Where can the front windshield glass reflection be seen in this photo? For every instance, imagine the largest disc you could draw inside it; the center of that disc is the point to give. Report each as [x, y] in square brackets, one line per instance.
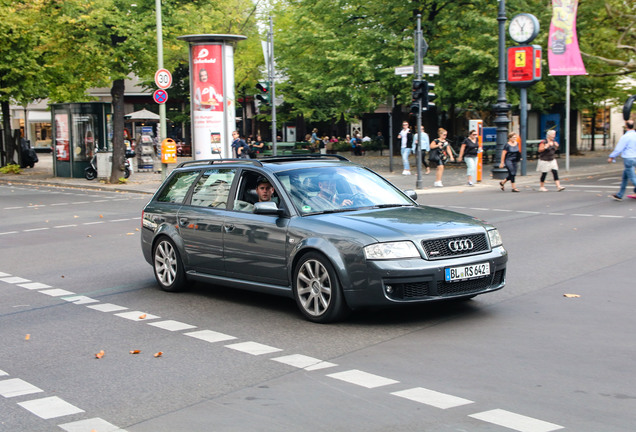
[329, 189]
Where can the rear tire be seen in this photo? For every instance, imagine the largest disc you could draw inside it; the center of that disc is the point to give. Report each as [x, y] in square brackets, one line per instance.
[167, 266]
[90, 173]
[317, 290]
[126, 172]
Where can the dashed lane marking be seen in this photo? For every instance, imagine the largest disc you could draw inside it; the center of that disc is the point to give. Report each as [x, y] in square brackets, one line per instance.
[362, 378]
[304, 362]
[172, 325]
[210, 336]
[50, 407]
[56, 292]
[137, 316]
[34, 286]
[515, 421]
[92, 424]
[253, 348]
[17, 387]
[432, 398]
[107, 307]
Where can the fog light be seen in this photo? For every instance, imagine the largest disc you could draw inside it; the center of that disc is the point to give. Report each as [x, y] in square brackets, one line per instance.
[389, 289]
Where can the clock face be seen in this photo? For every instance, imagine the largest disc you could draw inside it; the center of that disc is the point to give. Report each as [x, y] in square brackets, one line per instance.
[523, 28]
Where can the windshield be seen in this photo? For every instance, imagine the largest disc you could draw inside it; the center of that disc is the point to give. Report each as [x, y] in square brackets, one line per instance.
[345, 188]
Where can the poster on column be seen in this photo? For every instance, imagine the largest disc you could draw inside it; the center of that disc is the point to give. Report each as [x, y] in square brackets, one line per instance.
[208, 101]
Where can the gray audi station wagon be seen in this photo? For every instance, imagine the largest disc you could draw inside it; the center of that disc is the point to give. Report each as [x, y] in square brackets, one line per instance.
[331, 234]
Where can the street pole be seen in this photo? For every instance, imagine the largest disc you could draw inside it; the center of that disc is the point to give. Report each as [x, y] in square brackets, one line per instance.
[502, 107]
[418, 73]
[523, 129]
[162, 107]
[272, 85]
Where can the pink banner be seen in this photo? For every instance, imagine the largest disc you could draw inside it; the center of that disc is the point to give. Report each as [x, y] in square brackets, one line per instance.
[564, 56]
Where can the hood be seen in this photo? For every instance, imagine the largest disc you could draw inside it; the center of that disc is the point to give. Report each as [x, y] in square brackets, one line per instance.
[405, 222]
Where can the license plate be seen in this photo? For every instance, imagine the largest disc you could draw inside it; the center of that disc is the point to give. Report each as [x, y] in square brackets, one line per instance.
[467, 272]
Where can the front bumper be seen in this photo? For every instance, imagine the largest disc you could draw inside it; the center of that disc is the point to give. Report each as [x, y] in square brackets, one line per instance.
[418, 281]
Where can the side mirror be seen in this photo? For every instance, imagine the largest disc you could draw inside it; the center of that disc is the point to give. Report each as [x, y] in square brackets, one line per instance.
[268, 208]
[411, 194]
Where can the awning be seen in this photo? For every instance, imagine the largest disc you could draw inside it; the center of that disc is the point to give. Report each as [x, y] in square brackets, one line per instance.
[144, 114]
[39, 116]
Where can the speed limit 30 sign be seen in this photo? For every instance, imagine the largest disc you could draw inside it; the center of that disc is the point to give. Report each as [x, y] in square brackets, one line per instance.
[163, 78]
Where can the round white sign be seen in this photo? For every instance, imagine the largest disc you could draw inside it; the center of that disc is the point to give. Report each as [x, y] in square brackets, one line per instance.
[163, 78]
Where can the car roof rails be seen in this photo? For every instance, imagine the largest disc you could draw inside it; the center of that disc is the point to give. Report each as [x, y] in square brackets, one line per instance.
[300, 157]
[255, 162]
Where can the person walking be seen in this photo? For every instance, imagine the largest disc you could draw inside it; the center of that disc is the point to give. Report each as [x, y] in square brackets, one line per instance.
[626, 148]
[547, 162]
[406, 142]
[510, 157]
[240, 148]
[439, 155]
[469, 151]
[424, 148]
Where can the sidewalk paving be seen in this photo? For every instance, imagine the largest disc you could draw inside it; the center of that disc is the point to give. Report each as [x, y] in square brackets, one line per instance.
[454, 179]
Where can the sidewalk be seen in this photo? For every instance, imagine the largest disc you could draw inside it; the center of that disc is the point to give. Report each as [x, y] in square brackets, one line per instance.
[454, 179]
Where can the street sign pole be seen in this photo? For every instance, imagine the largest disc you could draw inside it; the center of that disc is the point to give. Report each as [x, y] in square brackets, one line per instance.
[271, 75]
[162, 107]
[418, 75]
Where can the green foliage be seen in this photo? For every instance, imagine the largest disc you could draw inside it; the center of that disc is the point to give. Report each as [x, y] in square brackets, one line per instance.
[11, 169]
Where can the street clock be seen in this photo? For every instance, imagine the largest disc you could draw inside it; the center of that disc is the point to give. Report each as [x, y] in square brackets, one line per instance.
[523, 28]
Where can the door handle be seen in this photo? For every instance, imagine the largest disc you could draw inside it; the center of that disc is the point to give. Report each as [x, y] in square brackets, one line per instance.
[228, 228]
[183, 221]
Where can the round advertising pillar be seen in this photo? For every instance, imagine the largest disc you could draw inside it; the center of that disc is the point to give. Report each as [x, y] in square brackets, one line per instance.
[212, 96]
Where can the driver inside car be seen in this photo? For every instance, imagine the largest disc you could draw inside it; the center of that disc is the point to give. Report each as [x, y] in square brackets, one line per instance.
[327, 197]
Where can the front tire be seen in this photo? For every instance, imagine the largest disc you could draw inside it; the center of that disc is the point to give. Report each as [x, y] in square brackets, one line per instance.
[167, 266]
[317, 290]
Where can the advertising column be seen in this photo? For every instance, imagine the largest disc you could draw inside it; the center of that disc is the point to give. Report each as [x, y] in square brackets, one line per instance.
[212, 99]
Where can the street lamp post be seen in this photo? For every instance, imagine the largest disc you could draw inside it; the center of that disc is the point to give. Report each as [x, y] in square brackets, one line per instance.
[502, 107]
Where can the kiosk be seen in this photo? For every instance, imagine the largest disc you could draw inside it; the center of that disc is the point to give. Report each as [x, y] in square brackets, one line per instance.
[79, 130]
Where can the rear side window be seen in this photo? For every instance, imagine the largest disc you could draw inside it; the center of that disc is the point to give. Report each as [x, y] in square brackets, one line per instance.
[213, 188]
[176, 190]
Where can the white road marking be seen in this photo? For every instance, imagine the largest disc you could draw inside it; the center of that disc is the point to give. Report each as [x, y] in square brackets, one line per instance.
[582, 214]
[363, 379]
[56, 292]
[304, 362]
[59, 204]
[253, 348]
[107, 307]
[433, 398]
[88, 425]
[137, 316]
[36, 229]
[4, 274]
[80, 300]
[210, 336]
[14, 280]
[93, 223]
[172, 325]
[65, 226]
[515, 421]
[34, 286]
[50, 407]
[17, 387]
[3, 373]
[8, 232]
[611, 216]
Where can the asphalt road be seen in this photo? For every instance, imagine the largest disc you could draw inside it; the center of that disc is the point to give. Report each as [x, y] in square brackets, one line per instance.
[526, 358]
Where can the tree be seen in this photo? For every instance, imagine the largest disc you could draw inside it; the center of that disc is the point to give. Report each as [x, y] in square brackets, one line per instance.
[21, 64]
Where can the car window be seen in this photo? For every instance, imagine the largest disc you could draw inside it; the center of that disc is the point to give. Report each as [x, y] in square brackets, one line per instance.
[177, 188]
[213, 188]
[325, 189]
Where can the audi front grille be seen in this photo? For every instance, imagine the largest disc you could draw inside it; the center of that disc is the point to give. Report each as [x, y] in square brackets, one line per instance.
[455, 246]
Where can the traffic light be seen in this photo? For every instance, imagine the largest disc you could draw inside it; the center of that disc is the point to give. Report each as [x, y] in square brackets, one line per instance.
[417, 94]
[264, 95]
[429, 95]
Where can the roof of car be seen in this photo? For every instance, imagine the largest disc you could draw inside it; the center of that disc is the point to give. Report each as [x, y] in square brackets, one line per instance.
[274, 163]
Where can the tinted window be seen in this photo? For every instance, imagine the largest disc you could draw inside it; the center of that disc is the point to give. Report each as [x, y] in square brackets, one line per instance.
[176, 190]
[213, 188]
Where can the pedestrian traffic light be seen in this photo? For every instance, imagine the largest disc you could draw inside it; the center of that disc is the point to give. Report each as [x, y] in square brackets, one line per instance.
[264, 95]
[429, 95]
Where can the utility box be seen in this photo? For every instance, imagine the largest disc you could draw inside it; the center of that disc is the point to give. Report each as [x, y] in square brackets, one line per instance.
[104, 164]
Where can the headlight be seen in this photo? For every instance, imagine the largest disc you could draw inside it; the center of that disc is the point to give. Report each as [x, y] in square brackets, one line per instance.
[495, 238]
[393, 250]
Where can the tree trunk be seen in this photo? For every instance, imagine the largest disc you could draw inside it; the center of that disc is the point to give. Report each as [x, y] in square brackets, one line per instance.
[7, 150]
[119, 148]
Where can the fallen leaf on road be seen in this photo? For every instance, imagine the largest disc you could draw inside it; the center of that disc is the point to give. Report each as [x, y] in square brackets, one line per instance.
[142, 316]
[159, 354]
[101, 216]
[99, 354]
[135, 351]
[130, 233]
[27, 337]
[571, 295]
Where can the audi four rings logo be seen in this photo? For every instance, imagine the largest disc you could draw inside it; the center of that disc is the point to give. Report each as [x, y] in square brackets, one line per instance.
[460, 245]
